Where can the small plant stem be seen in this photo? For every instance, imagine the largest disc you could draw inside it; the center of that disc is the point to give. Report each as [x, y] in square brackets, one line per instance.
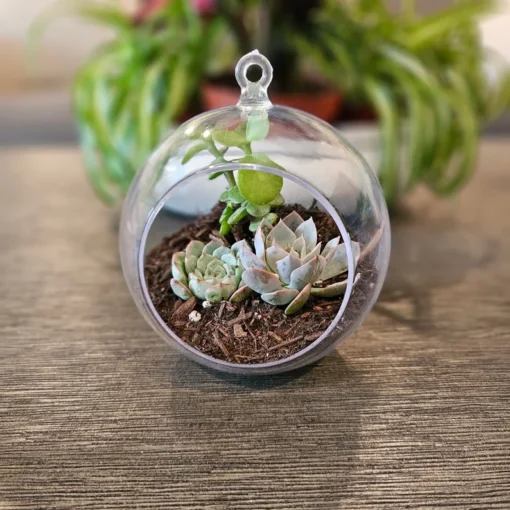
[214, 150]
[229, 175]
[247, 149]
[230, 178]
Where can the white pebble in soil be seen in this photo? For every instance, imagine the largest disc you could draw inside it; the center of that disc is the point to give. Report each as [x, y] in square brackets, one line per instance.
[194, 316]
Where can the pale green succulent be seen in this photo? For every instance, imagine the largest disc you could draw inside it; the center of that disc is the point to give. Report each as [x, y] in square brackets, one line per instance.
[211, 272]
[288, 265]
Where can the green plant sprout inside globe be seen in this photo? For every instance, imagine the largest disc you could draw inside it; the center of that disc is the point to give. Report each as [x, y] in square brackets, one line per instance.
[255, 238]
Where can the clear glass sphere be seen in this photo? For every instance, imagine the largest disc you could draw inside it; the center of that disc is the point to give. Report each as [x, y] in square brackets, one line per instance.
[319, 168]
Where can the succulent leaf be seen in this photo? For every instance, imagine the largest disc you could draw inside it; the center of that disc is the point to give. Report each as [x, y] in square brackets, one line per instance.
[316, 251]
[223, 290]
[330, 247]
[238, 245]
[280, 297]
[203, 262]
[286, 266]
[199, 287]
[178, 267]
[220, 251]
[307, 273]
[299, 246]
[211, 246]
[273, 255]
[194, 248]
[190, 263]
[337, 263]
[281, 235]
[227, 289]
[214, 293]
[259, 239]
[249, 259]
[239, 274]
[230, 279]
[309, 232]
[356, 252]
[299, 301]
[241, 294]
[293, 220]
[180, 290]
[229, 259]
[335, 289]
[261, 281]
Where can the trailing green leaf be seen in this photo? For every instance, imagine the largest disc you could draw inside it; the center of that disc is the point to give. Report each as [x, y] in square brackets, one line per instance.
[462, 168]
[257, 126]
[260, 159]
[258, 187]
[238, 215]
[278, 201]
[440, 25]
[385, 104]
[193, 151]
[258, 211]
[227, 212]
[215, 175]
[235, 195]
[225, 228]
[229, 138]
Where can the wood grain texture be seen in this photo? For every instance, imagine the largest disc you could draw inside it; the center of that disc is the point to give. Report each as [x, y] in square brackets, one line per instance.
[96, 412]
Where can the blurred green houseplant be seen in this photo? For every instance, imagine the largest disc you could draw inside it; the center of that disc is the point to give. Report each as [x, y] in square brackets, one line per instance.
[423, 76]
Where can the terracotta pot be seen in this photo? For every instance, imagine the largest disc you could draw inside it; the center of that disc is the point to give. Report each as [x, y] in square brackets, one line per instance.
[324, 104]
[356, 112]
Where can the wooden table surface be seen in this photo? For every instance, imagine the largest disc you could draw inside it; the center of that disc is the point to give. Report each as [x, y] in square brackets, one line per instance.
[97, 412]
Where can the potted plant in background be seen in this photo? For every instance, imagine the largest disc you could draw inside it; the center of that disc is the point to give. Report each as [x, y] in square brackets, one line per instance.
[423, 78]
[271, 27]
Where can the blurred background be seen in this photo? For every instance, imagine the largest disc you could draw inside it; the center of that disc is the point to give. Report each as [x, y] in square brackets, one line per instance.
[383, 72]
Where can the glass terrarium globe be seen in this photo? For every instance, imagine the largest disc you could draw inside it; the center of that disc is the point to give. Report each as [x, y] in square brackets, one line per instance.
[319, 169]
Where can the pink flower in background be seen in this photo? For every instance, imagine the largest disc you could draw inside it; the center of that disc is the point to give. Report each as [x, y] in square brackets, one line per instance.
[147, 8]
[204, 6]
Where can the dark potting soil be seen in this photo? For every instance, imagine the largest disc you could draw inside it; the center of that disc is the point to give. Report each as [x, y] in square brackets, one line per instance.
[248, 332]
